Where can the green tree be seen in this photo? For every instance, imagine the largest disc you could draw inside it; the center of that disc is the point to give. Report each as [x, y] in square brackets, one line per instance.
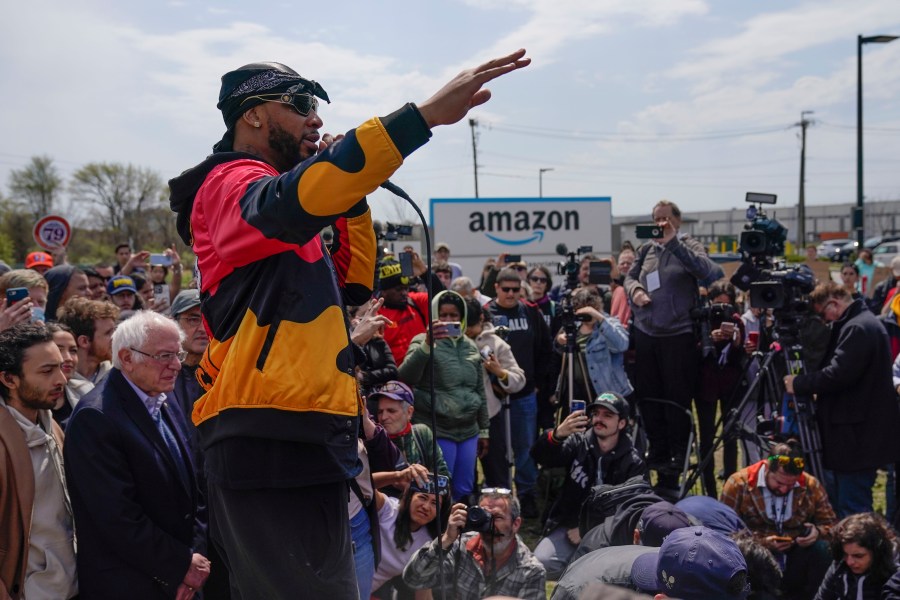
[118, 197]
[36, 186]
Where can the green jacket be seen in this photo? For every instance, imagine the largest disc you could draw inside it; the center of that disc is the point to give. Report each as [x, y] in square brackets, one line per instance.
[459, 386]
[416, 447]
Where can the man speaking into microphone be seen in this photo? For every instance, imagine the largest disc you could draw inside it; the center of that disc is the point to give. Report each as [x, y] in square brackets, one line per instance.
[278, 420]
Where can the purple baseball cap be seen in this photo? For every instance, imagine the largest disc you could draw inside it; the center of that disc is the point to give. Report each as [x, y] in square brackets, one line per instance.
[395, 390]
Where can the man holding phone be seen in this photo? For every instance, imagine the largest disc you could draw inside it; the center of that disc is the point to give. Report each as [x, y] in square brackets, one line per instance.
[788, 510]
[593, 448]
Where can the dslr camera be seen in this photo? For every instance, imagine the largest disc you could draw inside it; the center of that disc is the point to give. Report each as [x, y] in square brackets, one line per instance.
[479, 520]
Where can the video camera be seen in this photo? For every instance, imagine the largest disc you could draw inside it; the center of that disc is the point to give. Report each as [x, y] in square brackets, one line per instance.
[771, 283]
[600, 270]
[391, 231]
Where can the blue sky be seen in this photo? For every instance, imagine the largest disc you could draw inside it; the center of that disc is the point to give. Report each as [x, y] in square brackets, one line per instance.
[639, 100]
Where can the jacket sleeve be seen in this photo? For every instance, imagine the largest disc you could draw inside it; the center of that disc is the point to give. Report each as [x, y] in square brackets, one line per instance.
[534, 587]
[101, 484]
[353, 253]
[484, 419]
[412, 369]
[693, 257]
[422, 572]
[515, 376]
[633, 279]
[551, 453]
[615, 334]
[829, 589]
[265, 213]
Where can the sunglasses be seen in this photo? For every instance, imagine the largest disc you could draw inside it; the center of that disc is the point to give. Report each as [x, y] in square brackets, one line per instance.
[520, 268]
[496, 491]
[511, 290]
[797, 461]
[538, 279]
[302, 102]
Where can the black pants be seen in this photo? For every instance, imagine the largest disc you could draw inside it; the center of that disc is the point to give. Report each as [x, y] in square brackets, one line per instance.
[666, 369]
[805, 569]
[285, 543]
[494, 464]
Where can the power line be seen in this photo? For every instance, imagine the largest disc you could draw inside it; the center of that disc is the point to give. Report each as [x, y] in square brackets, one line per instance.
[639, 138]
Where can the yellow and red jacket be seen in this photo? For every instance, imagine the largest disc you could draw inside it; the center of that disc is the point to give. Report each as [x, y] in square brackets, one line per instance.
[279, 366]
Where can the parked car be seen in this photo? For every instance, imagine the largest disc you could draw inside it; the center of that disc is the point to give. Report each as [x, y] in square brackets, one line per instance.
[846, 251]
[828, 249]
[878, 239]
[885, 252]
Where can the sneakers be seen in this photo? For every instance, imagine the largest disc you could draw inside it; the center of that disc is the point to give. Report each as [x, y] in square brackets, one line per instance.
[529, 506]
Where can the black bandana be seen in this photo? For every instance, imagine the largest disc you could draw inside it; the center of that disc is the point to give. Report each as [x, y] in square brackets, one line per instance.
[250, 80]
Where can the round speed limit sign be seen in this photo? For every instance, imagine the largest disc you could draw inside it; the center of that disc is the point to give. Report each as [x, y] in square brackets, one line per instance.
[52, 231]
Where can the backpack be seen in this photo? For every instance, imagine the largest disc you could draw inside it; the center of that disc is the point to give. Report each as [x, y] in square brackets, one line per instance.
[603, 501]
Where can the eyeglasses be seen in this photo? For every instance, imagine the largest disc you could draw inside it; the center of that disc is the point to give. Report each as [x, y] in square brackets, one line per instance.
[825, 306]
[797, 461]
[302, 102]
[496, 491]
[163, 357]
[538, 279]
[511, 290]
[192, 321]
[521, 268]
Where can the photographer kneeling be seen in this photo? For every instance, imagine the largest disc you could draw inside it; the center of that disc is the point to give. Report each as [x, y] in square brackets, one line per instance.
[481, 553]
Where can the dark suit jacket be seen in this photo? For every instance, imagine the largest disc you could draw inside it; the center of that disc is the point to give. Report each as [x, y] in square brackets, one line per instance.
[137, 522]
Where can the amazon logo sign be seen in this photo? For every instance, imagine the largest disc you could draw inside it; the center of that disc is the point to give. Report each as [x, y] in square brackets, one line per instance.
[507, 227]
[530, 226]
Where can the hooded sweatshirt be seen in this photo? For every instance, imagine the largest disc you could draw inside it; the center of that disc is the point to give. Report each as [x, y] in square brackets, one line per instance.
[461, 405]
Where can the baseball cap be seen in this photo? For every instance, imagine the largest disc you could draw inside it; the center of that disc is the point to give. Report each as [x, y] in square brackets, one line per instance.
[658, 521]
[693, 563]
[612, 401]
[185, 300]
[119, 284]
[895, 266]
[38, 259]
[395, 390]
[390, 275]
[442, 246]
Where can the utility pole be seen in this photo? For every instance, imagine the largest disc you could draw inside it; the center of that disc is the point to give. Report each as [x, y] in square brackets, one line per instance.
[801, 204]
[541, 172]
[473, 123]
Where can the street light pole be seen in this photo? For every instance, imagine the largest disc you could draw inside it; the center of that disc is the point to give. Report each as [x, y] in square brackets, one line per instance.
[859, 219]
[541, 172]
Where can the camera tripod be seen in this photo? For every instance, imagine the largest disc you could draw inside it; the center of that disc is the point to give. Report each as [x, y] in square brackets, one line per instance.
[771, 389]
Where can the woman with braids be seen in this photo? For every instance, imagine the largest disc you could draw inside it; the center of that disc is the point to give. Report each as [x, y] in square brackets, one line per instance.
[865, 553]
[407, 524]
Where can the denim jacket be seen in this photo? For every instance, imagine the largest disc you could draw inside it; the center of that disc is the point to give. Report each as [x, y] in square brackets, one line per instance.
[604, 355]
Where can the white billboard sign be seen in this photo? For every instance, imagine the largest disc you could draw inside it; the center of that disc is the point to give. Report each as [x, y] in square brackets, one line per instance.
[477, 228]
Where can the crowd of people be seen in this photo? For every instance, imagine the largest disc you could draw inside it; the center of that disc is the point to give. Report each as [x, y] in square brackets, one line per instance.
[306, 420]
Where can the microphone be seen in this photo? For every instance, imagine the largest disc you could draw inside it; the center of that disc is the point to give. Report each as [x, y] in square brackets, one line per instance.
[395, 189]
[562, 249]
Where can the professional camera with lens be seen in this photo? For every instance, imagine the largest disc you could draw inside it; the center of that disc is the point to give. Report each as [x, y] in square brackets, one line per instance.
[572, 264]
[770, 282]
[763, 237]
[479, 520]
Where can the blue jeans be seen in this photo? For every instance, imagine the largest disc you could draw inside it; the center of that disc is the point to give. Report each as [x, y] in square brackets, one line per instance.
[363, 553]
[850, 492]
[523, 428]
[460, 459]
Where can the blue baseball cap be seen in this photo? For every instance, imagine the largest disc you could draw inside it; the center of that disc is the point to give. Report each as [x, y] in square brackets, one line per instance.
[120, 283]
[693, 563]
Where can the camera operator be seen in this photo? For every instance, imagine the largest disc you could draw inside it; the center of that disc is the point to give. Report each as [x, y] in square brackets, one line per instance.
[857, 404]
[489, 561]
[662, 286]
[720, 373]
